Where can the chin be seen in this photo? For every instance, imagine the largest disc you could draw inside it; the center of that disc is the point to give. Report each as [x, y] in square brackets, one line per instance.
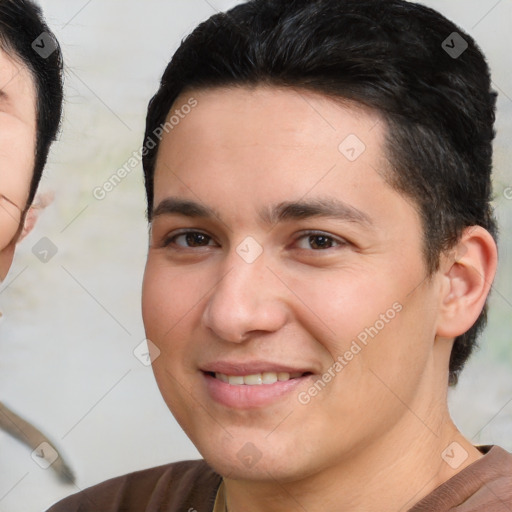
[261, 471]
[251, 457]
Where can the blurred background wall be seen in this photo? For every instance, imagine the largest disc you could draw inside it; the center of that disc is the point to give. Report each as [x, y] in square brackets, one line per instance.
[71, 323]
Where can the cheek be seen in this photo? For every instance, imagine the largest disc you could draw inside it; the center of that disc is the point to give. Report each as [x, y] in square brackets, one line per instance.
[17, 150]
[160, 304]
[372, 319]
[339, 306]
[170, 302]
[168, 299]
[6, 257]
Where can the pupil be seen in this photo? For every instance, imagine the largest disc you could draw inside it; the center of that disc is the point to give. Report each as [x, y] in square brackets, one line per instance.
[194, 239]
[320, 242]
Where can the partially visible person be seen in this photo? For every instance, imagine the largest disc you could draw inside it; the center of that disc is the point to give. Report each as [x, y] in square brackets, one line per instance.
[31, 97]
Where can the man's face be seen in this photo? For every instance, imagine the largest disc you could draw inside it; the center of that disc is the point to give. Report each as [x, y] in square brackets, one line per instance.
[17, 150]
[278, 250]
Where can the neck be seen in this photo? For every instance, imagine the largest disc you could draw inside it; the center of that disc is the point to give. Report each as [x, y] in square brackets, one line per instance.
[389, 475]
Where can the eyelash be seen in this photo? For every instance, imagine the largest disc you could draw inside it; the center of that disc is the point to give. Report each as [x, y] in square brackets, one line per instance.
[339, 242]
[171, 240]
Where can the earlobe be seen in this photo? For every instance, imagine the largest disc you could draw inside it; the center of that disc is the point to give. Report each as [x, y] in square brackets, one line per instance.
[469, 271]
[40, 203]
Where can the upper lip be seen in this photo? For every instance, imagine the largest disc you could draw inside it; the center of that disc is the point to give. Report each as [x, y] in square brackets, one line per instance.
[250, 368]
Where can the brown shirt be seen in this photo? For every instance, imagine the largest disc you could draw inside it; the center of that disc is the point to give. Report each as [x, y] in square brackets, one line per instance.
[191, 486]
[485, 486]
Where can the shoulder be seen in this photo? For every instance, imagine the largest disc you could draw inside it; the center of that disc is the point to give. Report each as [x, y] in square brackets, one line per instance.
[183, 486]
[484, 485]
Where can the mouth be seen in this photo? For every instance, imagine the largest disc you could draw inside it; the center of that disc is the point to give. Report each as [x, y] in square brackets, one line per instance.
[247, 388]
[257, 379]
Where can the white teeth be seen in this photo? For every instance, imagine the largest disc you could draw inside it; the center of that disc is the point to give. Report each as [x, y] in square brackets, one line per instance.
[253, 380]
[269, 377]
[235, 380]
[257, 379]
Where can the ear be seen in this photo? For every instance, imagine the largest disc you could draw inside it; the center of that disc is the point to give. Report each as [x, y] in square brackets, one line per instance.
[40, 203]
[29, 221]
[468, 272]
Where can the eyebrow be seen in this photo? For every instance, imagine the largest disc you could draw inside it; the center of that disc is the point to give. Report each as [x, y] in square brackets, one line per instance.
[281, 212]
[176, 206]
[328, 207]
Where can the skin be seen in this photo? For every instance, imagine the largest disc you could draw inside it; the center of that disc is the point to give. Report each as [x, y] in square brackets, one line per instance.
[17, 151]
[372, 438]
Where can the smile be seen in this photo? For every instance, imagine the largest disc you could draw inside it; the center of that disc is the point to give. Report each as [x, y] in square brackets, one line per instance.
[254, 389]
[257, 379]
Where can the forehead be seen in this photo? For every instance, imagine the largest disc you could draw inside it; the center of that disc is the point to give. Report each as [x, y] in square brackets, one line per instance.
[17, 89]
[284, 113]
[269, 133]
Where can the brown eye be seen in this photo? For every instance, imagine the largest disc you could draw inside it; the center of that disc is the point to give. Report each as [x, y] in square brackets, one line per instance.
[319, 241]
[190, 239]
[197, 239]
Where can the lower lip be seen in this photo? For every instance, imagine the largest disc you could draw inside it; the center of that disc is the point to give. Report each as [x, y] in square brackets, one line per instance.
[248, 397]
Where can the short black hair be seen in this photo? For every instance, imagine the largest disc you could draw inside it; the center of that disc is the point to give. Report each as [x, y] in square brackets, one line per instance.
[426, 77]
[21, 23]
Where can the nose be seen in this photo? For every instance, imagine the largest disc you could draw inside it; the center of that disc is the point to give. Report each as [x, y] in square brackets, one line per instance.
[247, 302]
